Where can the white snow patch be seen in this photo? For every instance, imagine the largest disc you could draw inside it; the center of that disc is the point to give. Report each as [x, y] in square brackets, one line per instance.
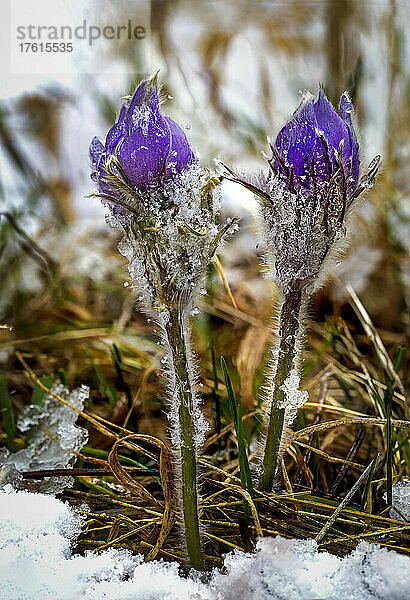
[36, 563]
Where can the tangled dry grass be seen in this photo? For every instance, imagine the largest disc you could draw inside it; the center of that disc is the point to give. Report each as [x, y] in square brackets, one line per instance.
[80, 328]
[124, 474]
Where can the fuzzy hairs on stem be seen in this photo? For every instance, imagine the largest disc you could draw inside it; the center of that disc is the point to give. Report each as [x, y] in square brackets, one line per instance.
[305, 201]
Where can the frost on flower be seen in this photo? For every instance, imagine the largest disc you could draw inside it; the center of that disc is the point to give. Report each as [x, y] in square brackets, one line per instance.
[309, 191]
[168, 208]
[170, 247]
[305, 199]
[53, 437]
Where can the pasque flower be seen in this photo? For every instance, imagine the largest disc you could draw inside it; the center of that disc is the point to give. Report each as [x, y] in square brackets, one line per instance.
[168, 209]
[305, 200]
[317, 142]
[150, 147]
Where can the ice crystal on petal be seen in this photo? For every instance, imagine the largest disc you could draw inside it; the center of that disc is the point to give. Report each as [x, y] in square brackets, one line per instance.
[53, 439]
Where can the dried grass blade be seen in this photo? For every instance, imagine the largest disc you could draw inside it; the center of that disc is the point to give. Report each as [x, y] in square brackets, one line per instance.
[165, 468]
[344, 502]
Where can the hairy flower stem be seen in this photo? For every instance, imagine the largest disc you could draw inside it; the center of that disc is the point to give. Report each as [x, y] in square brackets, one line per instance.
[289, 332]
[177, 331]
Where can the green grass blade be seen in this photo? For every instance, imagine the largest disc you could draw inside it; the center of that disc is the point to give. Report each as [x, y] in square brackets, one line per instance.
[368, 483]
[398, 359]
[215, 396]
[63, 377]
[7, 414]
[38, 395]
[389, 442]
[235, 406]
[118, 364]
[388, 403]
[106, 388]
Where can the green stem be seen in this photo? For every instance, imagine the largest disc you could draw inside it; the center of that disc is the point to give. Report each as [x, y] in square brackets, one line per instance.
[177, 332]
[289, 330]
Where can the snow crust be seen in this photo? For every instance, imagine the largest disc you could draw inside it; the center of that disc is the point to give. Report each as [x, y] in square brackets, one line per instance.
[37, 563]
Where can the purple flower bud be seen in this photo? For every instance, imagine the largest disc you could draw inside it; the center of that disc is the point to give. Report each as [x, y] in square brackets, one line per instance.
[306, 196]
[317, 143]
[150, 148]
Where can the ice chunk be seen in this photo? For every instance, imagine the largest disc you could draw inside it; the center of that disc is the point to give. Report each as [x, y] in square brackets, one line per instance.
[10, 476]
[294, 397]
[55, 437]
[371, 572]
[401, 499]
[280, 569]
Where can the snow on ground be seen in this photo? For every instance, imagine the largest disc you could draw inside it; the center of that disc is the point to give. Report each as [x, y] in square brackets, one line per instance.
[36, 563]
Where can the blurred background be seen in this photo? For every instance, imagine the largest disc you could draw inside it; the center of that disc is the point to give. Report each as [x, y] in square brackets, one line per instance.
[233, 71]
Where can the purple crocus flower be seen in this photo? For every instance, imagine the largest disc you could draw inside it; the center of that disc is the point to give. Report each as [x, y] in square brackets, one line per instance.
[317, 143]
[150, 148]
[307, 194]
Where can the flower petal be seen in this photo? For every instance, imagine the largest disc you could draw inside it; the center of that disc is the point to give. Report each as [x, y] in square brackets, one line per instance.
[145, 99]
[143, 152]
[116, 132]
[180, 154]
[149, 146]
[346, 110]
[96, 150]
[334, 129]
[295, 142]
